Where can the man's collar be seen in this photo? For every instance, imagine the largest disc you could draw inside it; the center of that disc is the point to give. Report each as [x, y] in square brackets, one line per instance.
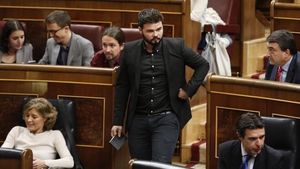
[69, 43]
[244, 153]
[286, 66]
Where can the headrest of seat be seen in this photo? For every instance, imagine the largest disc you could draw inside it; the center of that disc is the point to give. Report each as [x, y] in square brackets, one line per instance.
[131, 34]
[91, 32]
[281, 133]
[2, 23]
[66, 113]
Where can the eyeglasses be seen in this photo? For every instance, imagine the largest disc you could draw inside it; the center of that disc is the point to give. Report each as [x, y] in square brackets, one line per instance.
[53, 32]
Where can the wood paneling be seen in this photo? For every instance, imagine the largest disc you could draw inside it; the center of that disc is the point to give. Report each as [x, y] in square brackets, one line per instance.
[252, 27]
[286, 16]
[229, 97]
[92, 89]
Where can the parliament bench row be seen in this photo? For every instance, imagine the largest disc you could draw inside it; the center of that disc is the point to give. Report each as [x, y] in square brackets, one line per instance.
[91, 32]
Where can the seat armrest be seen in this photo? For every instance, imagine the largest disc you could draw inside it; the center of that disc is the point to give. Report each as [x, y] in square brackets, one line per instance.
[142, 164]
[14, 158]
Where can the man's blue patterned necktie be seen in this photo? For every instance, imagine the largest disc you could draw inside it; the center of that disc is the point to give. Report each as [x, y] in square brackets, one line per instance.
[246, 159]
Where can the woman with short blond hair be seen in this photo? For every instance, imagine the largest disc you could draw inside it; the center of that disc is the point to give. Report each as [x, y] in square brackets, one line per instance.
[40, 116]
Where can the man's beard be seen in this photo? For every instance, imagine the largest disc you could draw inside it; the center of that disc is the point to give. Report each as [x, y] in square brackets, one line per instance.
[109, 57]
[153, 42]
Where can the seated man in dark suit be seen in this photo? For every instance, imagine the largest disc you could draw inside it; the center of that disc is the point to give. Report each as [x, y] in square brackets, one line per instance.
[64, 47]
[249, 152]
[284, 64]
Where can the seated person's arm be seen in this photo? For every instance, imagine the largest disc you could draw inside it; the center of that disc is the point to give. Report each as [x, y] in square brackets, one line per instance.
[87, 54]
[10, 138]
[45, 59]
[66, 159]
[28, 53]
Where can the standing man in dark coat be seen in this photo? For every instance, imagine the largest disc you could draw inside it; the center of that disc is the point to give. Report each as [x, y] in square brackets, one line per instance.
[152, 91]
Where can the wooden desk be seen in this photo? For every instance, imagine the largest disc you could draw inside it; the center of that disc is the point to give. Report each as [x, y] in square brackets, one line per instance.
[91, 88]
[229, 97]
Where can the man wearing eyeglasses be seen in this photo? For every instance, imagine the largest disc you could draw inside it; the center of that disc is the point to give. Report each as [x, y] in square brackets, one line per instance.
[64, 47]
[284, 59]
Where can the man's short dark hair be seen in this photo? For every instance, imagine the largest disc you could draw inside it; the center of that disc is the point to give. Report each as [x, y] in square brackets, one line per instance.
[149, 15]
[61, 18]
[285, 40]
[248, 121]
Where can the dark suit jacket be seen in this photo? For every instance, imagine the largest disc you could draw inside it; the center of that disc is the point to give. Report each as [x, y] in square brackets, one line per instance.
[293, 74]
[230, 157]
[176, 57]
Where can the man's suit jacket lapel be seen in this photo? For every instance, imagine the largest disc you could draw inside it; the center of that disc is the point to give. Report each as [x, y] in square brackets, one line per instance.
[274, 72]
[260, 160]
[236, 157]
[74, 49]
[136, 55]
[166, 57]
[55, 53]
[291, 71]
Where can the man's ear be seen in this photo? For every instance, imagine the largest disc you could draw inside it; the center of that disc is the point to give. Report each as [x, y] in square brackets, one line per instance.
[122, 46]
[140, 29]
[67, 27]
[288, 51]
[238, 135]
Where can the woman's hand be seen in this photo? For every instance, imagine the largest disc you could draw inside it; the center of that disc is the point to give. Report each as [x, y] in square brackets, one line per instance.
[39, 164]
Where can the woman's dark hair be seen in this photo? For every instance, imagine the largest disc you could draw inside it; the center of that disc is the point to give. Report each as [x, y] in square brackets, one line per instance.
[116, 33]
[10, 27]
